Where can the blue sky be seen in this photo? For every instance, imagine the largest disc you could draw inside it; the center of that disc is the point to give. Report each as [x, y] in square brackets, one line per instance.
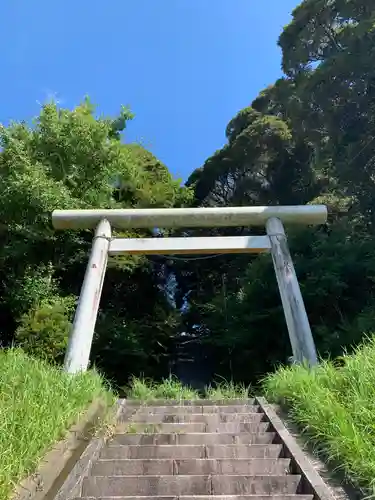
[185, 67]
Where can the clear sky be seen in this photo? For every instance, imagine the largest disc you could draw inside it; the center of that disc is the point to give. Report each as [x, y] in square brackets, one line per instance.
[185, 67]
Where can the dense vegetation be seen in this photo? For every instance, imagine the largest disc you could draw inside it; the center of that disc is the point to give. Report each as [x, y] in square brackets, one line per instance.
[71, 159]
[38, 404]
[307, 138]
[333, 407]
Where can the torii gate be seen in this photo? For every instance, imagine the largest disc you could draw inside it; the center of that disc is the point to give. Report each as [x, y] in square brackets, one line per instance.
[275, 242]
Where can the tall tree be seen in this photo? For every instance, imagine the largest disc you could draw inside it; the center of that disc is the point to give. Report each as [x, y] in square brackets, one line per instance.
[307, 138]
[328, 50]
[71, 159]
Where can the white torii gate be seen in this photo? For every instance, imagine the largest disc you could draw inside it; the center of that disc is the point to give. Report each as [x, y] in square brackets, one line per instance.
[275, 242]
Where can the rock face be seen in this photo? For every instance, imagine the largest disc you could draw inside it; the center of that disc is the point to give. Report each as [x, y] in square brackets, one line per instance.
[191, 449]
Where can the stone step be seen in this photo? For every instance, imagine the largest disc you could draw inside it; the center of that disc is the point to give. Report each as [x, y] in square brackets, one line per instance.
[203, 497]
[252, 436]
[183, 428]
[193, 466]
[207, 418]
[191, 402]
[191, 451]
[162, 428]
[192, 438]
[200, 438]
[186, 410]
[97, 486]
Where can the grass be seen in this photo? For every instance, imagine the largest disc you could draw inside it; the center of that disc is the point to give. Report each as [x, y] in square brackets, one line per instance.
[227, 390]
[38, 404]
[335, 408]
[172, 388]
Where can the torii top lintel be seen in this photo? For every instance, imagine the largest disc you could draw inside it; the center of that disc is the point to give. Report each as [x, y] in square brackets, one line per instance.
[189, 217]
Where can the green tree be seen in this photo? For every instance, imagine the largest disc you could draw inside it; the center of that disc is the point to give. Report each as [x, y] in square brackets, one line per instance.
[328, 49]
[309, 138]
[72, 159]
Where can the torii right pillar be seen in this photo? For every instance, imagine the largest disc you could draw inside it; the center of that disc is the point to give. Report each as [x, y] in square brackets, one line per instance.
[300, 335]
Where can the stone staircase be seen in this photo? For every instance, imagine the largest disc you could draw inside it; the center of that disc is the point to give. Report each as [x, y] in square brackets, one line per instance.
[190, 450]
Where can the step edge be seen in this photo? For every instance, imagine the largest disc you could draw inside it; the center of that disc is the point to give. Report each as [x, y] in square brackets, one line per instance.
[234, 445]
[213, 414]
[294, 480]
[311, 480]
[288, 496]
[263, 459]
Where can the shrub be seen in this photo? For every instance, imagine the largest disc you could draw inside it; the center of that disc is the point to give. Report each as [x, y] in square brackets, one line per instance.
[43, 332]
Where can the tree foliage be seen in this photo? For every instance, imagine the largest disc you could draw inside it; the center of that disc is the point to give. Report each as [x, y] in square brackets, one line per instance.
[309, 138]
[72, 159]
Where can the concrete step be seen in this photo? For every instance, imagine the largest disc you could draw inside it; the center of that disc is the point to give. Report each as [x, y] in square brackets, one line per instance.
[186, 410]
[244, 451]
[200, 438]
[191, 451]
[233, 428]
[152, 429]
[162, 428]
[97, 486]
[184, 428]
[191, 402]
[192, 438]
[207, 418]
[193, 466]
[203, 497]
[146, 438]
[252, 436]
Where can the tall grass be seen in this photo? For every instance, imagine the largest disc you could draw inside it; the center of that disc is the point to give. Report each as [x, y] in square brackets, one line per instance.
[335, 407]
[171, 388]
[38, 403]
[227, 390]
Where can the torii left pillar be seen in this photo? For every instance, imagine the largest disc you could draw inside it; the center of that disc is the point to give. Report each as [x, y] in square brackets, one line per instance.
[79, 347]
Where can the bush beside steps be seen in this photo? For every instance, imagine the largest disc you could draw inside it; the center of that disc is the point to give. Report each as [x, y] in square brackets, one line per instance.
[334, 407]
[38, 405]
